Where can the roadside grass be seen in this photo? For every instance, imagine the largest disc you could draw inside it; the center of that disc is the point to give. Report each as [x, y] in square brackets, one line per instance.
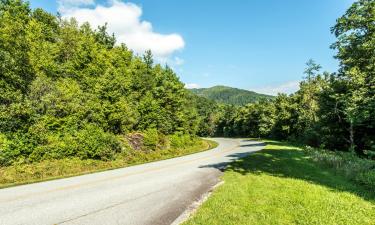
[56, 169]
[282, 185]
[358, 169]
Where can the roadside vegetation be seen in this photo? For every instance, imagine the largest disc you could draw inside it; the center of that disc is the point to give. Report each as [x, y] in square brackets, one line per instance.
[359, 170]
[23, 173]
[284, 184]
[72, 100]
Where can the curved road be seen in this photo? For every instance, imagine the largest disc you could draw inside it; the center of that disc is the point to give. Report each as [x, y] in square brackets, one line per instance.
[153, 193]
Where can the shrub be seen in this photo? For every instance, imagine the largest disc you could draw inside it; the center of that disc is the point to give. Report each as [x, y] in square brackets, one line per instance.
[350, 165]
[90, 142]
[370, 153]
[93, 143]
[15, 147]
[367, 178]
[150, 139]
[179, 140]
[3, 146]
[164, 142]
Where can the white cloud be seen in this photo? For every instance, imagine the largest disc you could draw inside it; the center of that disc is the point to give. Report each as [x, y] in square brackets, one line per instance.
[287, 88]
[124, 20]
[192, 85]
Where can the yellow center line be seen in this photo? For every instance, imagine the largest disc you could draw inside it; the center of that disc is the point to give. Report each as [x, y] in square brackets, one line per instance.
[119, 176]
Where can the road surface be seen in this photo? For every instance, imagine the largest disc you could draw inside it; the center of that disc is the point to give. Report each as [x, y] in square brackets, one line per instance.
[153, 193]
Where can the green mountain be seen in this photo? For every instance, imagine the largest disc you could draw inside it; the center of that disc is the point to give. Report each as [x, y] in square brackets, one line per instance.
[229, 95]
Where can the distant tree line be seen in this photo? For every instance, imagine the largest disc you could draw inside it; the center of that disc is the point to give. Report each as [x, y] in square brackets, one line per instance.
[330, 110]
[229, 95]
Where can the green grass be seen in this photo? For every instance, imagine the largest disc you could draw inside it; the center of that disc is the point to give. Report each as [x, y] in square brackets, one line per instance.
[348, 164]
[55, 169]
[282, 185]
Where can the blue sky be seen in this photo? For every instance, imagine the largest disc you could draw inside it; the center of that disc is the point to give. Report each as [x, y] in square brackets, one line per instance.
[259, 45]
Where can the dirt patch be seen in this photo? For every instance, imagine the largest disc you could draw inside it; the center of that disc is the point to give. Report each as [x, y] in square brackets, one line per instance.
[135, 140]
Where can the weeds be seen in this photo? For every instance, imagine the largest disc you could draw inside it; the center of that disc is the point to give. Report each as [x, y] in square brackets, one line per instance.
[350, 165]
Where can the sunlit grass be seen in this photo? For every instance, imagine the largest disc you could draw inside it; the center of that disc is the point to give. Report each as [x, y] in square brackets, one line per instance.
[281, 185]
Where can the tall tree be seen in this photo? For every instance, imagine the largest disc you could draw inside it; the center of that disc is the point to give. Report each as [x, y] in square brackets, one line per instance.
[355, 32]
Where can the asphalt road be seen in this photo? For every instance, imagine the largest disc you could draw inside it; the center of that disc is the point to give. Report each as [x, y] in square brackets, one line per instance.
[153, 193]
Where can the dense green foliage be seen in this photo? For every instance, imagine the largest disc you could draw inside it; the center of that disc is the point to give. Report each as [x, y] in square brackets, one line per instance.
[283, 185]
[359, 170]
[330, 110]
[68, 91]
[229, 95]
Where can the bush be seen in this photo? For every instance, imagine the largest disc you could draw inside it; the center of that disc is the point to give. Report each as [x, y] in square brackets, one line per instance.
[3, 146]
[164, 142]
[179, 140]
[90, 142]
[370, 154]
[15, 148]
[94, 143]
[367, 178]
[350, 165]
[150, 139]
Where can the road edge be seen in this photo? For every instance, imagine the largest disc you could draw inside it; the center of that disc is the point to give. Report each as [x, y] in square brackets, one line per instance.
[211, 144]
[191, 209]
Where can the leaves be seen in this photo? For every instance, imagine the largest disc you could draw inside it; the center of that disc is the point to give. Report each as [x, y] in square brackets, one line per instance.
[66, 90]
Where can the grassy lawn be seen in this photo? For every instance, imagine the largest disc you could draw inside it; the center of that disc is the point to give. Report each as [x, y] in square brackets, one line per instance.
[281, 185]
[55, 169]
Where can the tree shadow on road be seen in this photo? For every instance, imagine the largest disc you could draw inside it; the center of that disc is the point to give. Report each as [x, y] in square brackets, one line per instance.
[252, 145]
[235, 156]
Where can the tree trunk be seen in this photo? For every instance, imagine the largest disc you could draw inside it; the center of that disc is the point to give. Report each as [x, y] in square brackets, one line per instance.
[351, 137]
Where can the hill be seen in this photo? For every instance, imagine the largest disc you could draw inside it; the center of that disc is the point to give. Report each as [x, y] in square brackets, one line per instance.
[229, 95]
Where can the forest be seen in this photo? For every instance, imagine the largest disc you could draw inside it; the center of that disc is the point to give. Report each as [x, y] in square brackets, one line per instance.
[70, 90]
[229, 95]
